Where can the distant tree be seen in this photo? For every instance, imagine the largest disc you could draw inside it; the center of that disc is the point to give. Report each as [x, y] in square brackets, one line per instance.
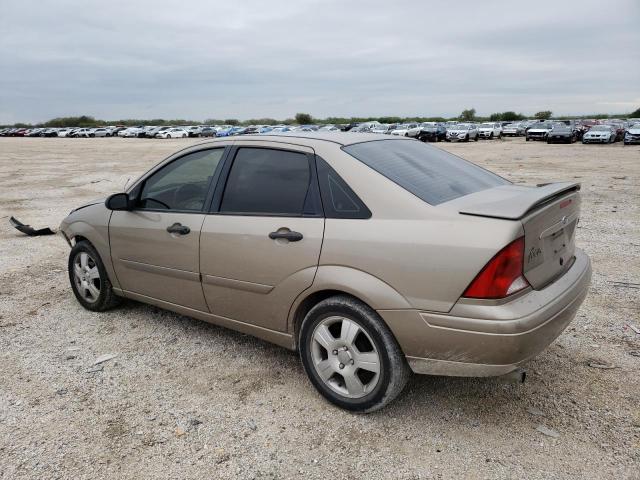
[231, 121]
[303, 118]
[635, 114]
[495, 117]
[81, 121]
[510, 116]
[543, 115]
[468, 115]
[289, 121]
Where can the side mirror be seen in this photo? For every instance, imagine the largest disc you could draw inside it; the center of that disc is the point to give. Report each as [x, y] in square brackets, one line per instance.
[119, 201]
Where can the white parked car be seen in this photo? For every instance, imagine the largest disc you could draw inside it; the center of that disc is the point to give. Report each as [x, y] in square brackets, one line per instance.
[129, 132]
[100, 132]
[83, 132]
[173, 133]
[382, 128]
[632, 135]
[490, 130]
[193, 131]
[600, 134]
[402, 130]
[462, 132]
[538, 131]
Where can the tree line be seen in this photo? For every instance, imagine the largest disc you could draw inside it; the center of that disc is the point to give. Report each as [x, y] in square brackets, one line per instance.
[468, 115]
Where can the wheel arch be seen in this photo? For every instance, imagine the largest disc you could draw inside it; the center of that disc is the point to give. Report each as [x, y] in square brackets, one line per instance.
[332, 280]
[98, 237]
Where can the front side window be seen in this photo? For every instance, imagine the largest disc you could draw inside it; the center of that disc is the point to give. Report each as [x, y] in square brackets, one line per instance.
[183, 184]
[431, 174]
[265, 181]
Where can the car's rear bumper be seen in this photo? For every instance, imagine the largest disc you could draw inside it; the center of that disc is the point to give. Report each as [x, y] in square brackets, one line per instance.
[490, 338]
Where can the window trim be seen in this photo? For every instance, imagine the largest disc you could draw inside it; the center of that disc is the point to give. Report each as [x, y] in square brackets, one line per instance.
[137, 189]
[313, 188]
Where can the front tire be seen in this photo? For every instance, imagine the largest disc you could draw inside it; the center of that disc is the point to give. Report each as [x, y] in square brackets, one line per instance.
[89, 280]
[351, 356]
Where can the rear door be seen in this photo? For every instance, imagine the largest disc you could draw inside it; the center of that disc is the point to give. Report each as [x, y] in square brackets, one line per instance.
[155, 247]
[261, 244]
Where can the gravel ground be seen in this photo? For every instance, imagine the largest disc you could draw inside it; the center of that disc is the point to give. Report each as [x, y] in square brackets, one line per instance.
[184, 399]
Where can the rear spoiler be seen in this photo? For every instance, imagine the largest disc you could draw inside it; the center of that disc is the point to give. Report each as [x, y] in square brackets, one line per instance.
[512, 202]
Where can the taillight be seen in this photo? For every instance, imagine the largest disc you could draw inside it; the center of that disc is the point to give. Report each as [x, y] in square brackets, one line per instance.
[502, 276]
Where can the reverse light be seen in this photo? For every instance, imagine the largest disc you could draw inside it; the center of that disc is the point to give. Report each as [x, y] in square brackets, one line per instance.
[502, 276]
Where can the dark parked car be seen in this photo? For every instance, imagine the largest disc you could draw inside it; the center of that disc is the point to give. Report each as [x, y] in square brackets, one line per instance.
[208, 132]
[432, 133]
[562, 133]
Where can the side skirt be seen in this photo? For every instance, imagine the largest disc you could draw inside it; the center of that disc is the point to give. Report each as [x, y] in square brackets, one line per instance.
[279, 338]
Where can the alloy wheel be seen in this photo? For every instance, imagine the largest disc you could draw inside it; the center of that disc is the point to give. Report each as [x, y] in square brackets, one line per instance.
[86, 277]
[345, 357]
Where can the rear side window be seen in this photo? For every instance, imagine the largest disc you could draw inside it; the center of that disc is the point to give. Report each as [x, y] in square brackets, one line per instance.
[431, 174]
[267, 182]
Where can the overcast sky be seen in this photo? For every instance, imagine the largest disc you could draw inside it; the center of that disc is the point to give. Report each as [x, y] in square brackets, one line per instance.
[242, 59]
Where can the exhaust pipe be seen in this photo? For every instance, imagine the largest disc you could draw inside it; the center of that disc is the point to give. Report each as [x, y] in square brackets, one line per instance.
[519, 375]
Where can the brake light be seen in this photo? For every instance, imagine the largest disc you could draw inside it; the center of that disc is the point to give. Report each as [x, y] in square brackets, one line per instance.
[502, 276]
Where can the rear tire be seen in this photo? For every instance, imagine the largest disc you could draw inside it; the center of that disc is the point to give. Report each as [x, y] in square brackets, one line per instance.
[89, 280]
[361, 371]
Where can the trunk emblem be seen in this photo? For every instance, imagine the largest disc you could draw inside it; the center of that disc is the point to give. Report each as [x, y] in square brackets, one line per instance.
[564, 220]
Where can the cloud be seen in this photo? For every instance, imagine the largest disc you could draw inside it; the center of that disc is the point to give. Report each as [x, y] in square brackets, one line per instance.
[143, 59]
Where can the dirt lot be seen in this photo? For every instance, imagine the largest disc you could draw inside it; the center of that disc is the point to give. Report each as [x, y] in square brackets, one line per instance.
[184, 399]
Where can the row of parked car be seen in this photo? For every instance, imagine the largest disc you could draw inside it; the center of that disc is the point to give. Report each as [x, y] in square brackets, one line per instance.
[566, 131]
[151, 131]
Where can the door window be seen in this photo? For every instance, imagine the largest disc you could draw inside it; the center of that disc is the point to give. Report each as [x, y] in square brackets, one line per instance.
[265, 181]
[183, 184]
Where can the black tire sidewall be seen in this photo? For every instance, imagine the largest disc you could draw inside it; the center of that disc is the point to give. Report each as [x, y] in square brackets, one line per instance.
[371, 325]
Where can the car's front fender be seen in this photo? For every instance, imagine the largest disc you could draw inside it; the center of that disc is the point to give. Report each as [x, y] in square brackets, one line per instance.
[92, 223]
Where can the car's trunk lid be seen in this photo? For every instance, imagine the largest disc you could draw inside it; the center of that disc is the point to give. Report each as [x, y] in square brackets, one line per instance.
[549, 215]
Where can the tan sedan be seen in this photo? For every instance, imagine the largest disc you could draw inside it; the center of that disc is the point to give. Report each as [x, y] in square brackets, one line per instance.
[373, 256]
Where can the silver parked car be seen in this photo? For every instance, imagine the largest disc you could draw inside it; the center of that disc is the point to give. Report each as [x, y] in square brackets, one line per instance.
[513, 130]
[373, 256]
[462, 132]
[600, 134]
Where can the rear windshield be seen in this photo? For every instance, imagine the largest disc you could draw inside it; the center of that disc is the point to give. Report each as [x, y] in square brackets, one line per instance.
[431, 174]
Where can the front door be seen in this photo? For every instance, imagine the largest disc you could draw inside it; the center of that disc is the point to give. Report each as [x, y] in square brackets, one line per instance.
[260, 247]
[155, 248]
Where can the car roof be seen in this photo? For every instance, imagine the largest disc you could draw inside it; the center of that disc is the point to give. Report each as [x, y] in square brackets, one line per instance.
[311, 138]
